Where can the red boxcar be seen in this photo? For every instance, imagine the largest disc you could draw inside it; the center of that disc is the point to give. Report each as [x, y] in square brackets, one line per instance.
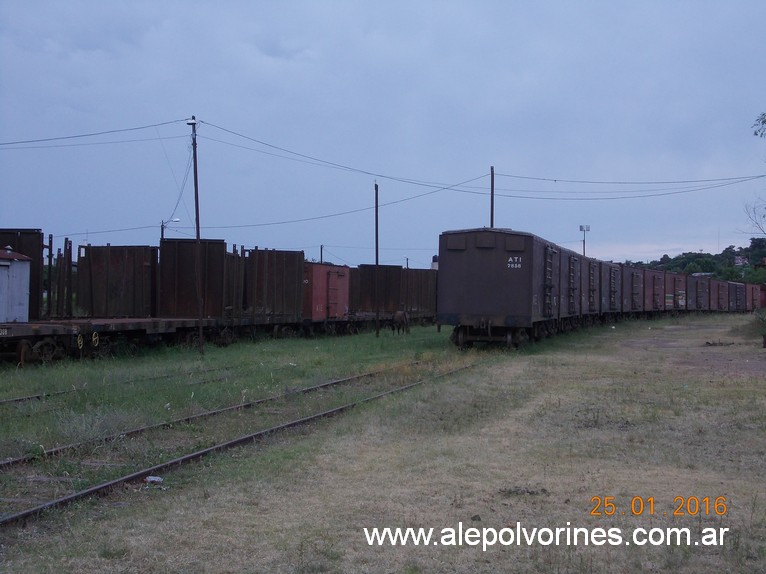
[325, 292]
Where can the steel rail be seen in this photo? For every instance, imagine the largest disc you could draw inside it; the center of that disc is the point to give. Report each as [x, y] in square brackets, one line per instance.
[253, 437]
[45, 395]
[10, 462]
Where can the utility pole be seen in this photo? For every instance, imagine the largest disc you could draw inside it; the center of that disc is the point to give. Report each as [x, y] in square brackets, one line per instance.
[492, 196]
[200, 306]
[377, 262]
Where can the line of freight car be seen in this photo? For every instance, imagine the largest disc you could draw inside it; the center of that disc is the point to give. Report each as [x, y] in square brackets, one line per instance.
[147, 293]
[509, 286]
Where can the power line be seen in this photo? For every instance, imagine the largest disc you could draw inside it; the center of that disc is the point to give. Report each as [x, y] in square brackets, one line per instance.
[643, 195]
[90, 144]
[746, 178]
[340, 213]
[87, 135]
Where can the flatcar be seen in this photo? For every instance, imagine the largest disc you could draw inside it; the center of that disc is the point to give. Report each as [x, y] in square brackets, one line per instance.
[108, 296]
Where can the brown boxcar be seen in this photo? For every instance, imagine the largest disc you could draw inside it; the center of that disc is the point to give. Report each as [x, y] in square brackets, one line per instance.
[610, 288]
[675, 291]
[590, 280]
[737, 296]
[499, 278]
[719, 295]
[273, 293]
[419, 290]
[759, 294]
[654, 290]
[632, 289]
[178, 288]
[697, 293]
[325, 292]
[752, 296]
[362, 298]
[116, 281]
[570, 283]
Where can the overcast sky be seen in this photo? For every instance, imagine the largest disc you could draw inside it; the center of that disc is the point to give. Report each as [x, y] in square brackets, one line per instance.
[304, 105]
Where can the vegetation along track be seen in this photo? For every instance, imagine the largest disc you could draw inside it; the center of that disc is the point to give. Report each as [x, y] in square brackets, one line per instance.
[34, 484]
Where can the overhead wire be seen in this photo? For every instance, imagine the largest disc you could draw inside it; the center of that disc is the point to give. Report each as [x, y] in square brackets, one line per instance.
[91, 134]
[285, 153]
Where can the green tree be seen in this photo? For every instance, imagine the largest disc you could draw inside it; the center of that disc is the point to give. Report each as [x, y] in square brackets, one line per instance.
[756, 211]
[760, 126]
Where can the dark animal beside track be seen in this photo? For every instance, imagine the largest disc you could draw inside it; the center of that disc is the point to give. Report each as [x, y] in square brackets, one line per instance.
[401, 322]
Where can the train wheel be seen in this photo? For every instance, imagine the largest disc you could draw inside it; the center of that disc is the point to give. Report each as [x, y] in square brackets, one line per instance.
[509, 341]
[47, 349]
[287, 332]
[24, 353]
[102, 347]
[462, 338]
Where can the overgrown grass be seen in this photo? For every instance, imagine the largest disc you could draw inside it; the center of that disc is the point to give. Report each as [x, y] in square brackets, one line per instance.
[107, 396]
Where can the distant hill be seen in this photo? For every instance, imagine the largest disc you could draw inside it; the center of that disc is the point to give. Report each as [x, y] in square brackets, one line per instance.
[746, 264]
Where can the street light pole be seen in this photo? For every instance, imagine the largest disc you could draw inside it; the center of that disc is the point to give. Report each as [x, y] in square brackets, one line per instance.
[584, 229]
[164, 223]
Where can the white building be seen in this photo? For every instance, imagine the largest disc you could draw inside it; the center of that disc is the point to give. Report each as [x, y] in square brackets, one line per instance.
[14, 286]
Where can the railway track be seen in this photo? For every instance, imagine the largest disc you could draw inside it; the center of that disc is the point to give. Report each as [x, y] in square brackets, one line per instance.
[9, 462]
[39, 483]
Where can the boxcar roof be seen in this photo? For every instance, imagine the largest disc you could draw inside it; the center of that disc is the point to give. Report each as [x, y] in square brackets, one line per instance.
[502, 230]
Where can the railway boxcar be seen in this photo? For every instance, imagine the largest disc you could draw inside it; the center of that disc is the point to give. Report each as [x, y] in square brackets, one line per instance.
[752, 297]
[570, 284]
[116, 281]
[500, 285]
[737, 296]
[179, 290]
[273, 292]
[419, 294]
[325, 295]
[367, 285]
[675, 291]
[719, 295]
[610, 288]
[697, 293]
[632, 290]
[590, 282]
[654, 290]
